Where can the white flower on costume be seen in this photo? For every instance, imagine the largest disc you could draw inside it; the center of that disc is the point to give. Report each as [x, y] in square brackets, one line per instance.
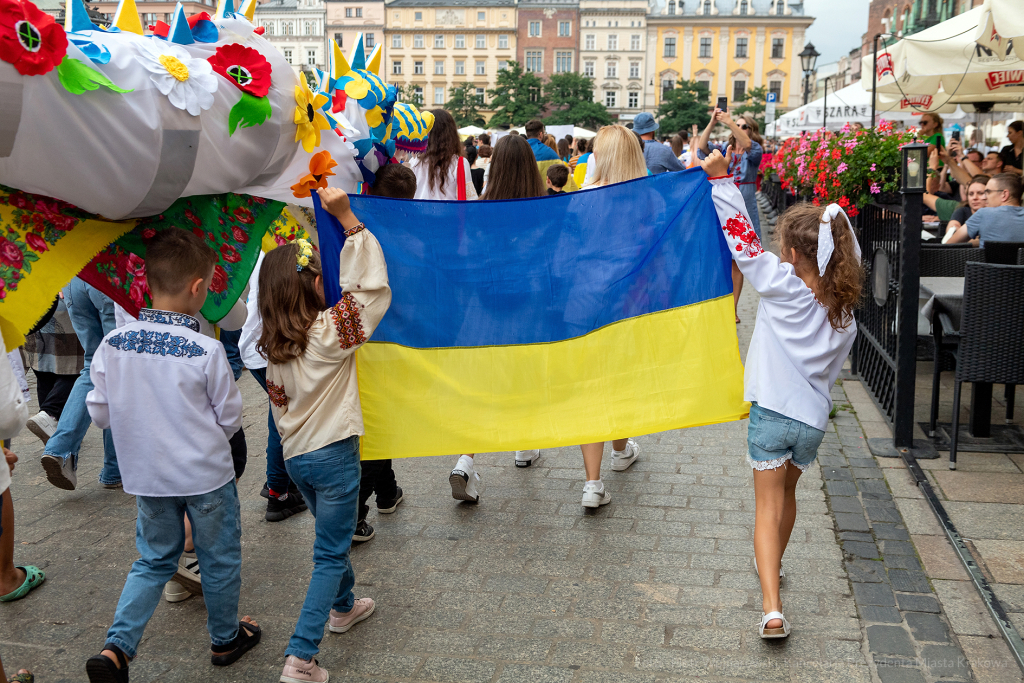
[187, 82]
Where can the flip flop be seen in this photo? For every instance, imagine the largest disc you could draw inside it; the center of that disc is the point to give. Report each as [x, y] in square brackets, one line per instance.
[34, 578]
[22, 678]
[248, 637]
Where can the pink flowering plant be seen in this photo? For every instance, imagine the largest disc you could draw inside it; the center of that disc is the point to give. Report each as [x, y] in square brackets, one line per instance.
[850, 167]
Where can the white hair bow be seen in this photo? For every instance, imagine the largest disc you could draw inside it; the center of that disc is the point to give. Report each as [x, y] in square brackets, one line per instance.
[825, 243]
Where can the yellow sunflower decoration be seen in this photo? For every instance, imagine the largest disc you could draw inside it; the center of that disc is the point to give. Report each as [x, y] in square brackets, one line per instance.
[308, 119]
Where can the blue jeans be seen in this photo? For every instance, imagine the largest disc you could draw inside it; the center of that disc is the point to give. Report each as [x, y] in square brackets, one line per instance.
[277, 475]
[328, 479]
[230, 338]
[160, 539]
[749, 193]
[92, 316]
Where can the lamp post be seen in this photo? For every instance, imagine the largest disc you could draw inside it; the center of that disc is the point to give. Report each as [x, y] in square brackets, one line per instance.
[874, 72]
[824, 109]
[808, 59]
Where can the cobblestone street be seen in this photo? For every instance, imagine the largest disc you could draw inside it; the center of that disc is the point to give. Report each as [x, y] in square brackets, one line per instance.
[527, 586]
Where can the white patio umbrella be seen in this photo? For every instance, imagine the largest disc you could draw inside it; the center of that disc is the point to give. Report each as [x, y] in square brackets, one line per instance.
[578, 132]
[471, 130]
[1002, 28]
[946, 62]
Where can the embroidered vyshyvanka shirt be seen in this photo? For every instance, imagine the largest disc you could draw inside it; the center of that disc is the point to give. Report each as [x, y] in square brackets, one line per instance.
[315, 397]
[167, 393]
[795, 354]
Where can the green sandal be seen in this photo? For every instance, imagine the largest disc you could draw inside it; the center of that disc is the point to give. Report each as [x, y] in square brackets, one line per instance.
[22, 678]
[34, 578]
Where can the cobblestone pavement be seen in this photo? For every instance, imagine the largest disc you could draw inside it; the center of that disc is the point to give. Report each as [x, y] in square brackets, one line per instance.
[527, 586]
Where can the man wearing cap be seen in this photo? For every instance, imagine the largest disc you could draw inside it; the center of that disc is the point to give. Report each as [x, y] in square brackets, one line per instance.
[659, 158]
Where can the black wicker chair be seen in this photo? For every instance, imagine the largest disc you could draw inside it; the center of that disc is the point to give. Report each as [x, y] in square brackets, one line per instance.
[1002, 252]
[948, 260]
[1020, 257]
[991, 335]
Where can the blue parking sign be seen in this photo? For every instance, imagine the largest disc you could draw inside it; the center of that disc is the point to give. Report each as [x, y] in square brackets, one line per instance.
[771, 97]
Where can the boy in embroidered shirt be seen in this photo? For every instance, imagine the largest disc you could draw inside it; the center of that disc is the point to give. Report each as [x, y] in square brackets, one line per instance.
[156, 380]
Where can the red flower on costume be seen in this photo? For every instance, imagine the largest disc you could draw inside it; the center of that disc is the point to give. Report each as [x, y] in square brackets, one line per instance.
[247, 69]
[29, 38]
[240, 235]
[148, 234]
[198, 233]
[36, 243]
[739, 228]
[194, 218]
[138, 290]
[244, 215]
[220, 280]
[229, 253]
[10, 254]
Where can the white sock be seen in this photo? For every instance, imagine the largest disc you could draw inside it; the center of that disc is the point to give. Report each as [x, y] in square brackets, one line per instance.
[596, 482]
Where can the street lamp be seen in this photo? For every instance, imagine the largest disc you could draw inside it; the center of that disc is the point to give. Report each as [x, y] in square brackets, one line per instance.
[874, 72]
[808, 59]
[914, 167]
[824, 115]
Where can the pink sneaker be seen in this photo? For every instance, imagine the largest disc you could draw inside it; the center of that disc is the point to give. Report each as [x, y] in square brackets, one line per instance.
[300, 671]
[341, 622]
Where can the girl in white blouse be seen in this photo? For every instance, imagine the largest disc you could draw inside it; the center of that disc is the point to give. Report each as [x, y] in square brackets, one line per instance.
[314, 392]
[803, 334]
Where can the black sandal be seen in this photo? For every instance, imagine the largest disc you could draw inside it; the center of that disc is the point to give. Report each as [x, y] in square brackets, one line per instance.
[101, 669]
[248, 637]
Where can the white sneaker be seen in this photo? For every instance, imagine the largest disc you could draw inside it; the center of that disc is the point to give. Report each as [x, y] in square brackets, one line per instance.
[527, 458]
[466, 484]
[188, 573]
[175, 592]
[595, 495]
[42, 425]
[60, 471]
[621, 460]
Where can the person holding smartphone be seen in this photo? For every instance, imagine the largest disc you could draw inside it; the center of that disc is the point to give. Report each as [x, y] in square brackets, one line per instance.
[745, 142]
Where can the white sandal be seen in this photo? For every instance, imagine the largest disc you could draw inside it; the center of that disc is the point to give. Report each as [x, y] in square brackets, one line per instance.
[782, 572]
[768, 633]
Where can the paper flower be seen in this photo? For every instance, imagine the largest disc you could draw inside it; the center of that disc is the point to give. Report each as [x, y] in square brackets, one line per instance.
[320, 166]
[188, 83]
[30, 39]
[246, 68]
[309, 121]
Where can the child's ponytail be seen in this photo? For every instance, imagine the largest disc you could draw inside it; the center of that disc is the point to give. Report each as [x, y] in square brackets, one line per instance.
[839, 288]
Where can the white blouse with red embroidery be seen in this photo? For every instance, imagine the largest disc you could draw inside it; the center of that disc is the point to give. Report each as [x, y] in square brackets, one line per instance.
[795, 355]
[315, 397]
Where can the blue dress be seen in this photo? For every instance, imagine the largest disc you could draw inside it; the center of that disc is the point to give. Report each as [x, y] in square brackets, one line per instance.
[744, 172]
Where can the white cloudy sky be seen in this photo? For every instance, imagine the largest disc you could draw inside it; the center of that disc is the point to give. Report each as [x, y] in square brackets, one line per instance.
[838, 26]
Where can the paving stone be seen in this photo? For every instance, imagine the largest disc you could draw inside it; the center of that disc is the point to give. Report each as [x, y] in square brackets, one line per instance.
[847, 521]
[899, 674]
[873, 594]
[946, 661]
[897, 547]
[890, 532]
[909, 581]
[903, 562]
[845, 504]
[910, 602]
[856, 536]
[837, 473]
[516, 673]
[868, 551]
[927, 627]
[884, 615]
[866, 571]
[841, 488]
[890, 640]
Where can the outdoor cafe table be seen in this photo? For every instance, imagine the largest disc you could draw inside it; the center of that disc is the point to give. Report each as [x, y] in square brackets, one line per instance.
[946, 294]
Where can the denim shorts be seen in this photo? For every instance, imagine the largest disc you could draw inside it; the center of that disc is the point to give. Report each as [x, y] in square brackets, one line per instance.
[773, 438]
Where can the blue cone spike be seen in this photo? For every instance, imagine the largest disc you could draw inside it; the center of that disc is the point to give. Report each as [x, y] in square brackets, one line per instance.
[180, 32]
[76, 18]
[358, 60]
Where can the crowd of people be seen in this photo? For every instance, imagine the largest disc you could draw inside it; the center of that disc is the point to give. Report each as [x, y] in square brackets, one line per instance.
[167, 369]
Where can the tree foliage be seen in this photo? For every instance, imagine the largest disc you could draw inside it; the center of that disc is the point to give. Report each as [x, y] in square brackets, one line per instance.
[753, 103]
[685, 105]
[517, 98]
[572, 97]
[408, 94]
[464, 105]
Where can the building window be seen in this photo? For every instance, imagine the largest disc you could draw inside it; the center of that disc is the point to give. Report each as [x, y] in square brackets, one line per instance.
[269, 29]
[502, 65]
[741, 48]
[481, 42]
[359, 11]
[611, 69]
[778, 48]
[479, 95]
[348, 12]
[534, 61]
[460, 67]
[634, 69]
[744, 6]
[310, 28]
[439, 41]
[634, 41]
[460, 42]
[439, 67]
[481, 16]
[337, 39]
[417, 95]
[311, 57]
[706, 85]
[706, 8]
[418, 16]
[564, 29]
[780, 7]
[739, 91]
[369, 41]
[417, 68]
[481, 69]
[588, 69]
[503, 41]
[286, 28]
[396, 68]
[288, 56]
[590, 42]
[613, 42]
[666, 85]
[634, 100]
[705, 48]
[609, 98]
[396, 40]
[438, 95]
[417, 40]
[776, 87]
[670, 47]
[671, 6]
[398, 16]
[563, 62]
[534, 29]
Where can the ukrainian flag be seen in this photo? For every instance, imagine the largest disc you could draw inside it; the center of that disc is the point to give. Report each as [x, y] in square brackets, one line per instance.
[547, 322]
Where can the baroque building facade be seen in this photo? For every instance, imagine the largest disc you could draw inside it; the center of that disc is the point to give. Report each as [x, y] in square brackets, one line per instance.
[297, 29]
[613, 51]
[548, 36]
[346, 20]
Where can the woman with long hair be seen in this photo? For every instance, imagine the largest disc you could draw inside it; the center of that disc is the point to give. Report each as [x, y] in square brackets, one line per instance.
[617, 157]
[437, 169]
[564, 152]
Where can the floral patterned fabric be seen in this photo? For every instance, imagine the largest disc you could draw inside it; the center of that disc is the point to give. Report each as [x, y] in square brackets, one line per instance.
[346, 322]
[233, 225]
